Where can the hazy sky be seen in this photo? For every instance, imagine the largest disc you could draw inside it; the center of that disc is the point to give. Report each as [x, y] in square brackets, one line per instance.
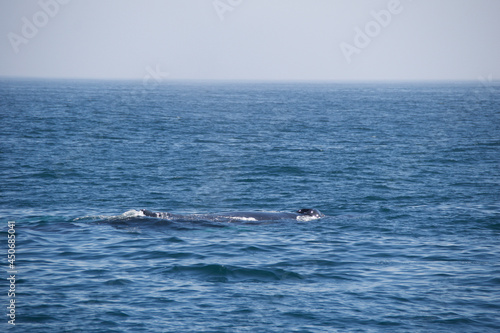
[251, 39]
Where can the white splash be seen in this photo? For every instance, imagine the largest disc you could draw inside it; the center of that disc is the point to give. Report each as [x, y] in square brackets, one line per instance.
[126, 215]
[240, 218]
[132, 213]
[306, 218]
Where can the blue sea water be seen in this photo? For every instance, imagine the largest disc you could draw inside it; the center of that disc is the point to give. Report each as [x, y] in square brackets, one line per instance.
[408, 175]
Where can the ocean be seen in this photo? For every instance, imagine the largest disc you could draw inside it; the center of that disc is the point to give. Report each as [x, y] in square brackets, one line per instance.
[407, 174]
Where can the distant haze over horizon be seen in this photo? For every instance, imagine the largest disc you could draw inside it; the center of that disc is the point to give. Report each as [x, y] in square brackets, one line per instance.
[256, 40]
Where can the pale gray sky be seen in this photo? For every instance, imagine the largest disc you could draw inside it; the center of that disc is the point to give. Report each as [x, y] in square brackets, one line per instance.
[251, 39]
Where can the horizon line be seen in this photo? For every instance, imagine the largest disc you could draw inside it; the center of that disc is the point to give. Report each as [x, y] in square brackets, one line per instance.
[241, 80]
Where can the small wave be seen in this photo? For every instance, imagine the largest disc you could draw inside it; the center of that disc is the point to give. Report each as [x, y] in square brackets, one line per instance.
[227, 273]
[117, 282]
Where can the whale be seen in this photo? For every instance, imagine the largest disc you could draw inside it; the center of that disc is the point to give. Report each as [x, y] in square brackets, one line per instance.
[304, 214]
